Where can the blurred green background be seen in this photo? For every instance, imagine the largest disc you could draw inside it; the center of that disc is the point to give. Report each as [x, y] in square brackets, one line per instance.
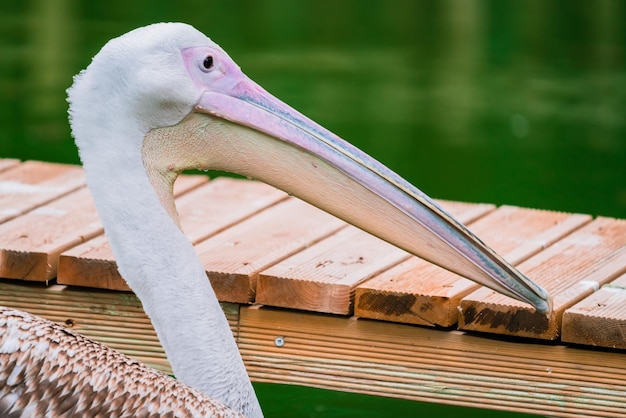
[510, 102]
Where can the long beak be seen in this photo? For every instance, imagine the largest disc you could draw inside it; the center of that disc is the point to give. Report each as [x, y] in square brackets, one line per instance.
[304, 159]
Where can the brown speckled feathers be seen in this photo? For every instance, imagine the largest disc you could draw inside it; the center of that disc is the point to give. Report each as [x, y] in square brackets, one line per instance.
[48, 371]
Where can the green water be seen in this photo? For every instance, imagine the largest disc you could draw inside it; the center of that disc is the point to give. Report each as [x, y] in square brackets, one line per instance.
[293, 401]
[510, 102]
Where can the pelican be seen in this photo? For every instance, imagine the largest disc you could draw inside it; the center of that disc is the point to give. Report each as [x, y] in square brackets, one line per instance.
[163, 99]
[49, 371]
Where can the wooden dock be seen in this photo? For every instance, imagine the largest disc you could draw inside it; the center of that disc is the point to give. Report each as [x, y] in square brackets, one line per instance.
[314, 301]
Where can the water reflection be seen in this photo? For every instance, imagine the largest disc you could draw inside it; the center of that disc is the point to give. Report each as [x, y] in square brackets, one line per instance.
[506, 102]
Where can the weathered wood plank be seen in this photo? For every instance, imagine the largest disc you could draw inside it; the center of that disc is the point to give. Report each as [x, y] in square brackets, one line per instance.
[222, 203]
[570, 270]
[33, 183]
[203, 212]
[417, 292]
[600, 319]
[90, 264]
[425, 364]
[30, 245]
[234, 258]
[323, 277]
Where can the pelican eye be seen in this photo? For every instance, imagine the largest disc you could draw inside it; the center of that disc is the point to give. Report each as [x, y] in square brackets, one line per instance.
[207, 64]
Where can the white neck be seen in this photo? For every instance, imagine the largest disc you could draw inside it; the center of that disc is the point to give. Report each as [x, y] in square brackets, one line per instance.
[161, 266]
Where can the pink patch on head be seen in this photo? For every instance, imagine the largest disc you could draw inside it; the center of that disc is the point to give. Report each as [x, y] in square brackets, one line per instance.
[211, 69]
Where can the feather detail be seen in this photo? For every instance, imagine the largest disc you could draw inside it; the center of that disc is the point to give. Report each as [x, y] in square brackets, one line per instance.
[49, 371]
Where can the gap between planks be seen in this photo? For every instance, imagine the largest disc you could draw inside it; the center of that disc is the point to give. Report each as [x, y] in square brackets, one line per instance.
[571, 269]
[26, 186]
[600, 319]
[323, 277]
[421, 293]
[30, 245]
[204, 211]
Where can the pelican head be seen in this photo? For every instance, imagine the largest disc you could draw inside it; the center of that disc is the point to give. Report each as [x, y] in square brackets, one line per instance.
[187, 105]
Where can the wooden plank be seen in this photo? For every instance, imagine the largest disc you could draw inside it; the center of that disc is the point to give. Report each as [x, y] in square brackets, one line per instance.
[33, 183]
[570, 270]
[426, 364]
[417, 292]
[188, 182]
[223, 203]
[600, 319]
[235, 257]
[203, 212]
[30, 245]
[90, 264]
[6, 163]
[116, 319]
[323, 277]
